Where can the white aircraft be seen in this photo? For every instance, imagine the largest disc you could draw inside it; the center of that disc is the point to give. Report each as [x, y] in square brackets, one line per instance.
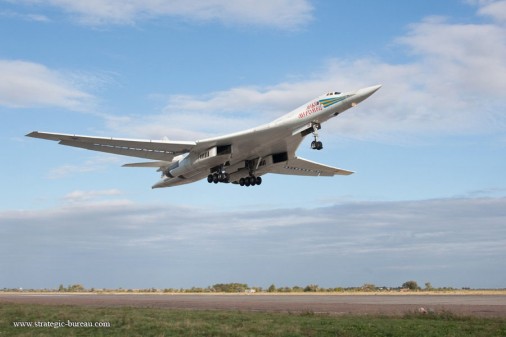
[240, 158]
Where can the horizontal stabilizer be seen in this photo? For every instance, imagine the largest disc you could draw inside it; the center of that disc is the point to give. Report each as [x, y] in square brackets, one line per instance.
[304, 167]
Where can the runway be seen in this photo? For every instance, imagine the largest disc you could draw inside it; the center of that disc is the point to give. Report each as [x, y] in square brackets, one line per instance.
[391, 305]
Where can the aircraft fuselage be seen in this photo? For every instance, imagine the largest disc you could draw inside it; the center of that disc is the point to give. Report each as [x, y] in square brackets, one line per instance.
[282, 136]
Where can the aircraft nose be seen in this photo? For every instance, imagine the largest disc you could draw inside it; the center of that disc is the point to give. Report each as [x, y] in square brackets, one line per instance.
[366, 92]
[363, 93]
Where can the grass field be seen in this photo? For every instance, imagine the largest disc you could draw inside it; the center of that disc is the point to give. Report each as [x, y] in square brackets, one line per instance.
[128, 321]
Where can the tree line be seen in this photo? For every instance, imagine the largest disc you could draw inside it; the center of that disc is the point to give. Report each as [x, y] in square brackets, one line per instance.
[245, 288]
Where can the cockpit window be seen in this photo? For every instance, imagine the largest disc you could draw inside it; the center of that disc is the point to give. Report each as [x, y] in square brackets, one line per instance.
[333, 93]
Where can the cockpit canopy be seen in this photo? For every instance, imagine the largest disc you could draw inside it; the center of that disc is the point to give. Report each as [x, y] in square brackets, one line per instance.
[333, 93]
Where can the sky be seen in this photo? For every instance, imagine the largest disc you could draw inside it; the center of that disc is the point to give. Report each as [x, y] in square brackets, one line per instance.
[427, 201]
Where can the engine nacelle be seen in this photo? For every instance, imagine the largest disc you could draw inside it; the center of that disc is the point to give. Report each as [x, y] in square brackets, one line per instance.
[180, 168]
[190, 164]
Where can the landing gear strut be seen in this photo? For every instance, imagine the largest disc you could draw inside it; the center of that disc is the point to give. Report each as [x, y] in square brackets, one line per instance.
[252, 180]
[316, 144]
[219, 177]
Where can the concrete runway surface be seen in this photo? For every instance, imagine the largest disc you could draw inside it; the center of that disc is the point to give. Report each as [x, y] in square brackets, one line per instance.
[470, 305]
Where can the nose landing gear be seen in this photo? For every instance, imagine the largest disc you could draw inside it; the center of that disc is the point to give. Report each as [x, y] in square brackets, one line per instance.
[316, 144]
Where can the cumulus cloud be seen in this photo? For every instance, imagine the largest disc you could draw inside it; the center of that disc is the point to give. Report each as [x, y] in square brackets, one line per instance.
[456, 242]
[97, 163]
[27, 84]
[86, 196]
[26, 17]
[283, 14]
[192, 117]
[466, 57]
[494, 9]
[451, 83]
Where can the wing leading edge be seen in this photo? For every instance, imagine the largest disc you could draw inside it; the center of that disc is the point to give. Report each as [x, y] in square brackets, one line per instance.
[149, 149]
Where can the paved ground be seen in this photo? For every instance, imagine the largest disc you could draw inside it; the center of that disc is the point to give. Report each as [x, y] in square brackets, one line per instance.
[476, 305]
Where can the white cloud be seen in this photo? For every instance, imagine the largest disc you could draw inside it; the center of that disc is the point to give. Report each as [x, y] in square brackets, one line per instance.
[190, 117]
[27, 17]
[463, 57]
[27, 84]
[348, 243]
[97, 163]
[284, 14]
[494, 9]
[87, 196]
[452, 83]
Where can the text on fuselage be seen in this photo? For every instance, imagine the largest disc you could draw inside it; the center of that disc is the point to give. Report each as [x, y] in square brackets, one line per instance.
[311, 109]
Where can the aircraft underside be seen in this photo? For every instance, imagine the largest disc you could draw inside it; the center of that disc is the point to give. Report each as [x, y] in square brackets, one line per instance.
[246, 172]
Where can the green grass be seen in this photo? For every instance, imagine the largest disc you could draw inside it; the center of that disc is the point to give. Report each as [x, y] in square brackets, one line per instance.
[128, 321]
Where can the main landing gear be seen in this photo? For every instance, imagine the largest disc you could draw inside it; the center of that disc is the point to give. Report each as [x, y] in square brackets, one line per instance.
[220, 176]
[250, 181]
[316, 144]
[216, 177]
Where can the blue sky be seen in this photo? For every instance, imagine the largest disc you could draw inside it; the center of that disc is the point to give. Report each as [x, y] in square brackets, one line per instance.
[427, 201]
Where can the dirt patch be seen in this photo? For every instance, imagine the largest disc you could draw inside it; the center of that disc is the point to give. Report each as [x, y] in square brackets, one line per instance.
[390, 305]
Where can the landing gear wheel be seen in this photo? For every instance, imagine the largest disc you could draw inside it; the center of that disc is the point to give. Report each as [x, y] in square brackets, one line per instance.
[210, 178]
[316, 145]
[250, 181]
[216, 178]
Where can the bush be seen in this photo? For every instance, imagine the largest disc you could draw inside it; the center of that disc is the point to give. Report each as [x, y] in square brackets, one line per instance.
[411, 285]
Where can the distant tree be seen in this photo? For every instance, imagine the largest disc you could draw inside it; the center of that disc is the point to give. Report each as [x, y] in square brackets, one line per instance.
[76, 288]
[61, 288]
[312, 288]
[271, 289]
[196, 290]
[230, 287]
[368, 287]
[428, 286]
[411, 285]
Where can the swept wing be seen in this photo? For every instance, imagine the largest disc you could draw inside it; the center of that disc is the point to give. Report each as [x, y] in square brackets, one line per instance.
[157, 150]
